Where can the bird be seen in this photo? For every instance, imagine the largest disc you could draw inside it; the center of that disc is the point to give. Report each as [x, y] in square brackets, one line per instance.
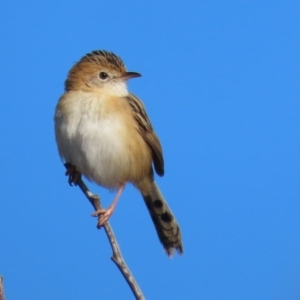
[103, 132]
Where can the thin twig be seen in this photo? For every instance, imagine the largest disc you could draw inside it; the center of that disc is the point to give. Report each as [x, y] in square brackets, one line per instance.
[117, 257]
[2, 296]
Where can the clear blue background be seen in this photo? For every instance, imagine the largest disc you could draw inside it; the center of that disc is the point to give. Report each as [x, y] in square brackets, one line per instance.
[221, 86]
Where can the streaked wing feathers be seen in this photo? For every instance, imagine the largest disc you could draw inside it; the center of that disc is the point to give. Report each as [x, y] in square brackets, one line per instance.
[146, 131]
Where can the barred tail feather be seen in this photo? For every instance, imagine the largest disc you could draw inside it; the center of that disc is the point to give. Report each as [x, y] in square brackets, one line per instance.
[164, 221]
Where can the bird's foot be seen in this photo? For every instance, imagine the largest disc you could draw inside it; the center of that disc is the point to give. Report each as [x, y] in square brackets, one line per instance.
[103, 215]
[74, 175]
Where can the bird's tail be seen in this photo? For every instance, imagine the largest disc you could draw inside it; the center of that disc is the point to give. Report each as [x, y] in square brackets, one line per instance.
[164, 221]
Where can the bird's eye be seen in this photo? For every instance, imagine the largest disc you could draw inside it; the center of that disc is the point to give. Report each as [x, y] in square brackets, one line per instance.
[103, 75]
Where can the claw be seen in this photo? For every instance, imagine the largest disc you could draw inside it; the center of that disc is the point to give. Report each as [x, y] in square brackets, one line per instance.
[74, 175]
[103, 215]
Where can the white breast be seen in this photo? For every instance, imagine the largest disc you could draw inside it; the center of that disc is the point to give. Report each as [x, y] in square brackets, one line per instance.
[94, 142]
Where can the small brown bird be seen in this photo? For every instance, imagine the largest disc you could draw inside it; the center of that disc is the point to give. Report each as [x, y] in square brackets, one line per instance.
[105, 133]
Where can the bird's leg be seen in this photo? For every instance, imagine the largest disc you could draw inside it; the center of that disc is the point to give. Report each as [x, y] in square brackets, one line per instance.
[104, 214]
[74, 175]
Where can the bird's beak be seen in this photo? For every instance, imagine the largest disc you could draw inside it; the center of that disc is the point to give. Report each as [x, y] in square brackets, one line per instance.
[129, 75]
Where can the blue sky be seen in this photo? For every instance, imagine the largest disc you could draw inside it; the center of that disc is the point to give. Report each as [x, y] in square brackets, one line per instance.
[221, 86]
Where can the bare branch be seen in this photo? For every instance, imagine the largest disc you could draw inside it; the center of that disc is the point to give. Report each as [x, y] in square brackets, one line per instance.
[117, 257]
[2, 296]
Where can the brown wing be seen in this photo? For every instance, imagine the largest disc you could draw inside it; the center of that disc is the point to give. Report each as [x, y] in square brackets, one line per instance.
[146, 131]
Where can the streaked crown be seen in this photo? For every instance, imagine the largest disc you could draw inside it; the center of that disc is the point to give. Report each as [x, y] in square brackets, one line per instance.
[82, 73]
[105, 59]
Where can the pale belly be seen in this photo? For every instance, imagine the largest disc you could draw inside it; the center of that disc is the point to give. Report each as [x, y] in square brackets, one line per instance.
[107, 151]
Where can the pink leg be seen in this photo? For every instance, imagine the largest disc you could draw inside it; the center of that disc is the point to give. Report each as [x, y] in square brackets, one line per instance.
[104, 214]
